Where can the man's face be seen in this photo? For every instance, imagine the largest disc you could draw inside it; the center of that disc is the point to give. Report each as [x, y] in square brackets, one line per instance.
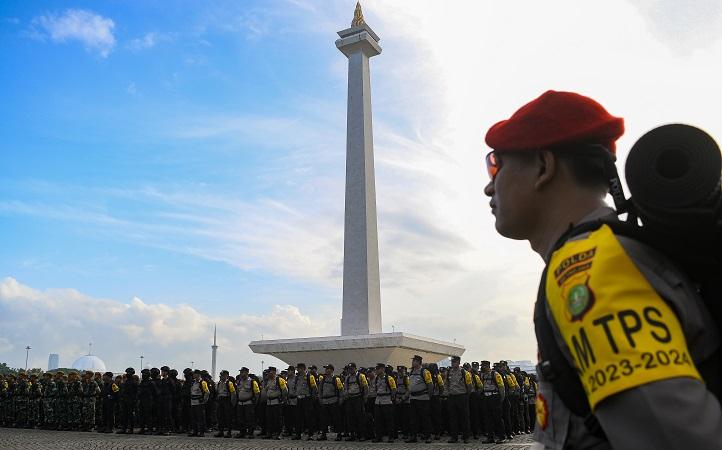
[415, 364]
[485, 368]
[513, 199]
[244, 375]
[272, 374]
[329, 372]
[455, 363]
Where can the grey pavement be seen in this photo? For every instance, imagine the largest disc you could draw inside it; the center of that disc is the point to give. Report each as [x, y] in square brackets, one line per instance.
[12, 439]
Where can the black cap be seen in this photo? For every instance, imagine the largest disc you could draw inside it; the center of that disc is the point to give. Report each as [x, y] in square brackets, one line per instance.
[130, 371]
[292, 368]
[147, 371]
[224, 371]
[329, 366]
[271, 369]
[197, 371]
[154, 371]
[456, 358]
[380, 366]
[417, 358]
[352, 364]
[244, 369]
[165, 369]
[516, 369]
[467, 366]
[300, 365]
[485, 363]
[187, 370]
[173, 373]
[475, 364]
[400, 367]
[313, 367]
[108, 374]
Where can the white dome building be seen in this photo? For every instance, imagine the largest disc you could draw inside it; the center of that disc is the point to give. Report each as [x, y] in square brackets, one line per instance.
[89, 362]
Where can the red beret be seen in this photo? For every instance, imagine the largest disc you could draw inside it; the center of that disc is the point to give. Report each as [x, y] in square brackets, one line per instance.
[556, 119]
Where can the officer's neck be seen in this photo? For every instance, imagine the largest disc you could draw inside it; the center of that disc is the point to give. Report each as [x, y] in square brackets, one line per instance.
[560, 215]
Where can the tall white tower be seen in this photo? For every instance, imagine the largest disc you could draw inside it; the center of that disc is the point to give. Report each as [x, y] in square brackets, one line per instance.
[361, 287]
[214, 349]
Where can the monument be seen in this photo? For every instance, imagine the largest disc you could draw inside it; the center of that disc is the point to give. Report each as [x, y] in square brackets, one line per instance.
[362, 340]
[214, 350]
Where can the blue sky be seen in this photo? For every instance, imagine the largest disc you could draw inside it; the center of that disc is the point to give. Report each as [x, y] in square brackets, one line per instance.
[171, 165]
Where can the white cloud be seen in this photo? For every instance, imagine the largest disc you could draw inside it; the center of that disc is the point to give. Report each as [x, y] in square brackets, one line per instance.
[94, 31]
[149, 40]
[131, 88]
[64, 320]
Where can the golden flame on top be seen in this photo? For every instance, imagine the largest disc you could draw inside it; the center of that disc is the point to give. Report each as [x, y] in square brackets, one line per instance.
[358, 16]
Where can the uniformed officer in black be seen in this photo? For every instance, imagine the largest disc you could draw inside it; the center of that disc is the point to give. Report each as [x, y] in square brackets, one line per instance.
[128, 398]
[493, 397]
[420, 391]
[458, 385]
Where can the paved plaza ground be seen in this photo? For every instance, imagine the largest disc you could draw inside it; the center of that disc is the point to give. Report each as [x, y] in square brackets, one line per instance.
[15, 439]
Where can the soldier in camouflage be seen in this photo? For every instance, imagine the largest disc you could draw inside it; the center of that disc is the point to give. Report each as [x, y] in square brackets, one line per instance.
[74, 401]
[21, 395]
[98, 379]
[3, 398]
[60, 395]
[48, 401]
[90, 393]
[35, 402]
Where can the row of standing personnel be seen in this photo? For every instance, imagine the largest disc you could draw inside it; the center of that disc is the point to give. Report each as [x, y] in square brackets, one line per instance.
[356, 404]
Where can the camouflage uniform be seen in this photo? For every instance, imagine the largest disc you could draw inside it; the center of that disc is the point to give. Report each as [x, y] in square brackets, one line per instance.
[21, 395]
[90, 392]
[74, 402]
[4, 387]
[59, 408]
[98, 379]
[49, 393]
[34, 403]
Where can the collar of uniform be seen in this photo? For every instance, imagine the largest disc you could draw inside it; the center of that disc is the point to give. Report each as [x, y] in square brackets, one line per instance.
[598, 213]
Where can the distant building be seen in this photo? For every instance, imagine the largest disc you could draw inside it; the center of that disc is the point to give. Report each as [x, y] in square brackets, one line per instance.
[53, 361]
[525, 365]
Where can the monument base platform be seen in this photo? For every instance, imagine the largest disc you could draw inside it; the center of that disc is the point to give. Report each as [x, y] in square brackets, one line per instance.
[365, 350]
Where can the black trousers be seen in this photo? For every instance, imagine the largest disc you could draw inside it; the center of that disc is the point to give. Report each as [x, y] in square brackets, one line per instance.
[492, 416]
[108, 415]
[289, 417]
[273, 420]
[384, 421]
[531, 414]
[185, 413]
[145, 413]
[225, 413]
[355, 416]
[402, 417]
[475, 413]
[458, 406]
[127, 407]
[305, 415]
[420, 420]
[164, 419]
[506, 414]
[437, 424]
[198, 418]
[329, 417]
[246, 419]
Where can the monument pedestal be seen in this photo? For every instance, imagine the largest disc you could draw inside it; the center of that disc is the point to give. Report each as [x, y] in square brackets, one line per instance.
[365, 350]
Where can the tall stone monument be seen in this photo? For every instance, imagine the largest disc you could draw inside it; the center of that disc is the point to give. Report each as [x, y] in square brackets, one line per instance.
[362, 340]
[361, 286]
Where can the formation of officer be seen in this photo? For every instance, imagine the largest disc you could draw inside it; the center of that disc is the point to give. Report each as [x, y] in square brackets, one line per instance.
[380, 403]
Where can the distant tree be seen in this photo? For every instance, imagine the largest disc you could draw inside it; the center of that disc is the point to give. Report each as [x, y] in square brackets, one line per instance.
[6, 370]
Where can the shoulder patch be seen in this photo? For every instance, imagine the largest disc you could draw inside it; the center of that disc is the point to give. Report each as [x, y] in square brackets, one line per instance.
[620, 332]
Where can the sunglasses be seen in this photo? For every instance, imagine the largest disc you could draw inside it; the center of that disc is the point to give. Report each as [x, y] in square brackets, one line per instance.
[493, 164]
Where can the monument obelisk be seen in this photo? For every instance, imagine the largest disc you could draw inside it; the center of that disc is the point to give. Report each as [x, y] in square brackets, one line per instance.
[362, 339]
[361, 287]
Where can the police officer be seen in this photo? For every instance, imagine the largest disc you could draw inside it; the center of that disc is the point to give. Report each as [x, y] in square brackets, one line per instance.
[199, 396]
[247, 395]
[305, 387]
[275, 390]
[385, 388]
[175, 409]
[437, 423]
[185, 399]
[420, 390]
[622, 333]
[128, 397]
[165, 397]
[48, 386]
[476, 417]
[110, 395]
[402, 402]
[146, 396]
[459, 386]
[225, 389]
[60, 405]
[493, 397]
[355, 391]
[330, 393]
[289, 407]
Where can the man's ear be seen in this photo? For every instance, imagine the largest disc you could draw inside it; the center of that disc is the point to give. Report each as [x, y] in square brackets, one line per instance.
[546, 168]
